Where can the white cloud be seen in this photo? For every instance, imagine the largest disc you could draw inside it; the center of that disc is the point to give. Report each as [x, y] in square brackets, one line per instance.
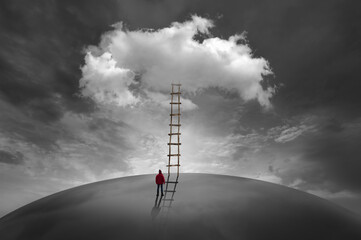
[292, 133]
[171, 54]
[163, 100]
[105, 82]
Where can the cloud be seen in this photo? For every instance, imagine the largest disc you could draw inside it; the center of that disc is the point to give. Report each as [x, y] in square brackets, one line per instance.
[11, 158]
[292, 133]
[163, 100]
[127, 63]
[324, 158]
[105, 82]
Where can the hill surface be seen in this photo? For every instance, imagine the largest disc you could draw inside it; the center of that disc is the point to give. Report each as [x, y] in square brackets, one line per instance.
[204, 206]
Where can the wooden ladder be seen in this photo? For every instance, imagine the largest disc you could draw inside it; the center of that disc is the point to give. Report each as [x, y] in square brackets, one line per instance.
[174, 144]
[174, 131]
[169, 192]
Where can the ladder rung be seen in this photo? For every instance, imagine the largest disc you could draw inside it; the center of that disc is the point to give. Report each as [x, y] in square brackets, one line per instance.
[172, 182]
[175, 114]
[177, 125]
[173, 165]
[176, 84]
[175, 103]
[169, 191]
[174, 134]
[170, 155]
[173, 93]
[168, 200]
[174, 144]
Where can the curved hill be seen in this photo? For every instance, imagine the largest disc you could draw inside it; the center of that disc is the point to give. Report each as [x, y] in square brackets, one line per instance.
[203, 206]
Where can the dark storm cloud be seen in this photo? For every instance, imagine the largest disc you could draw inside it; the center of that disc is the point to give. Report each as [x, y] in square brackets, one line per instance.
[32, 132]
[41, 53]
[11, 158]
[329, 157]
[338, 153]
[314, 51]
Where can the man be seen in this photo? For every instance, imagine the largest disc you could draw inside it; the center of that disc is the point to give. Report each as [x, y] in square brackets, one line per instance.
[159, 180]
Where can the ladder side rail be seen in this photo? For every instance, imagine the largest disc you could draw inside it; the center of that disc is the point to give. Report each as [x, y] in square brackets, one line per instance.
[170, 131]
[178, 130]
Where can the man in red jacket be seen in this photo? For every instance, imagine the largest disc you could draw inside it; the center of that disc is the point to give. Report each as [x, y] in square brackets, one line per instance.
[159, 180]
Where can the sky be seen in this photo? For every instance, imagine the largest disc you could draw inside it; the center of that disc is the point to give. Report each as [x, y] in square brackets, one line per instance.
[270, 91]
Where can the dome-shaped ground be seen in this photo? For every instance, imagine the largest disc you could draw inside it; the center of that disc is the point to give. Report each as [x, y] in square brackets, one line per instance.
[203, 206]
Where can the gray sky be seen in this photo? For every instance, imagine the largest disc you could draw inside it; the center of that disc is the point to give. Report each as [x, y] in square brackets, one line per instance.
[271, 92]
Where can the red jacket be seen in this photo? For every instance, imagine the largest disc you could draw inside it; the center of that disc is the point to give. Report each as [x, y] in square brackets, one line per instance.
[159, 179]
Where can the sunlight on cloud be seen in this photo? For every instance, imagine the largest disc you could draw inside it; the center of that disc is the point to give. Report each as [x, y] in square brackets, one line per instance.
[155, 58]
[105, 82]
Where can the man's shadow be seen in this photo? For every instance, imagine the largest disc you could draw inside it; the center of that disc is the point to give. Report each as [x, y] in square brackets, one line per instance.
[156, 208]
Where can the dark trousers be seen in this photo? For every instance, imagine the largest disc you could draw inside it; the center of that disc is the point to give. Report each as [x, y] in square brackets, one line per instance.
[161, 186]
